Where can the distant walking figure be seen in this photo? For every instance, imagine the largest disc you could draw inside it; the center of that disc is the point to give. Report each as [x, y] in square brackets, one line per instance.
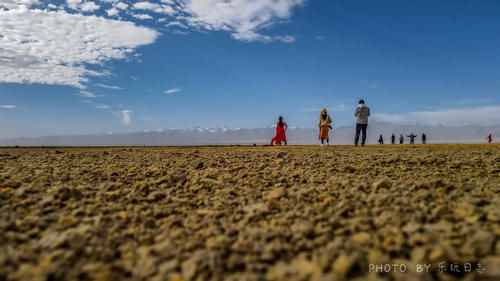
[424, 138]
[393, 139]
[412, 138]
[324, 125]
[401, 139]
[490, 138]
[362, 112]
[381, 140]
[280, 133]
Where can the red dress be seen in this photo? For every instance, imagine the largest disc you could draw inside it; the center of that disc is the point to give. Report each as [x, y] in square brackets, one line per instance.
[280, 134]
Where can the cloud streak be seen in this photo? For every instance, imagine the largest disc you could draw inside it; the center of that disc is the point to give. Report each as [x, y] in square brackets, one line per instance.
[482, 116]
[172, 91]
[109, 87]
[8, 106]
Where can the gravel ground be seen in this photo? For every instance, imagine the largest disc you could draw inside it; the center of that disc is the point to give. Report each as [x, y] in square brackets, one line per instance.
[245, 213]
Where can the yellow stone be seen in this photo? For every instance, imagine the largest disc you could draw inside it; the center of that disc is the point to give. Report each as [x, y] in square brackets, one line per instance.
[361, 237]
[342, 265]
[66, 220]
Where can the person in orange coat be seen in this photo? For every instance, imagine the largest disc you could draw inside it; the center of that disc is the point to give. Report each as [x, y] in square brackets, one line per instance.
[280, 133]
[324, 125]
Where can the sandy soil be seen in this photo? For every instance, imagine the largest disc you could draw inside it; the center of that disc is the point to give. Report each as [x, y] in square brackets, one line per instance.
[244, 213]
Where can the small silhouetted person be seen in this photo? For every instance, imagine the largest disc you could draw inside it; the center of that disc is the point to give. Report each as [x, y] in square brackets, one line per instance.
[424, 138]
[362, 112]
[401, 139]
[490, 138]
[381, 139]
[412, 138]
[393, 139]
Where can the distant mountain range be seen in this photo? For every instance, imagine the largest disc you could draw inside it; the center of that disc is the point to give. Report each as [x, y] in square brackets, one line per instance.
[228, 136]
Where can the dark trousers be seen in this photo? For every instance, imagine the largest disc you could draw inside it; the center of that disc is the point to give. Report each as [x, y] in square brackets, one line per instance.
[360, 128]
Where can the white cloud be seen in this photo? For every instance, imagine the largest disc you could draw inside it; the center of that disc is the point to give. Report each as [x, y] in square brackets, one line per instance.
[142, 16]
[121, 6]
[126, 116]
[102, 107]
[8, 106]
[243, 19]
[484, 115]
[179, 32]
[177, 24]
[108, 87]
[52, 47]
[74, 4]
[58, 47]
[87, 94]
[153, 7]
[145, 6]
[89, 6]
[10, 4]
[112, 12]
[172, 91]
[285, 38]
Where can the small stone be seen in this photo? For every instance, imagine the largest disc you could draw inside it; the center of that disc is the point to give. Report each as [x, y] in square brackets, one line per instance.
[381, 183]
[437, 254]
[275, 194]
[155, 196]
[361, 238]
[418, 254]
[493, 215]
[492, 267]
[411, 227]
[464, 210]
[481, 243]
[66, 220]
[343, 265]
[303, 227]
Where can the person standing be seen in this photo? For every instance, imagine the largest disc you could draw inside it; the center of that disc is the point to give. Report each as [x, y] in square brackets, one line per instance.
[324, 125]
[381, 140]
[412, 138]
[393, 139]
[280, 132]
[424, 138]
[401, 139]
[490, 138]
[362, 113]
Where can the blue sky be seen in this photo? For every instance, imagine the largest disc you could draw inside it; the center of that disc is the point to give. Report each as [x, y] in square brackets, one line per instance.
[79, 67]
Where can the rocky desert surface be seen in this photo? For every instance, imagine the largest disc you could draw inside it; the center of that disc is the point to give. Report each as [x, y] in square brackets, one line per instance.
[391, 212]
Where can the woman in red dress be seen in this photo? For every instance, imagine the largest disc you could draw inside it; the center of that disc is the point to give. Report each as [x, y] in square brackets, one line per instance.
[280, 133]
